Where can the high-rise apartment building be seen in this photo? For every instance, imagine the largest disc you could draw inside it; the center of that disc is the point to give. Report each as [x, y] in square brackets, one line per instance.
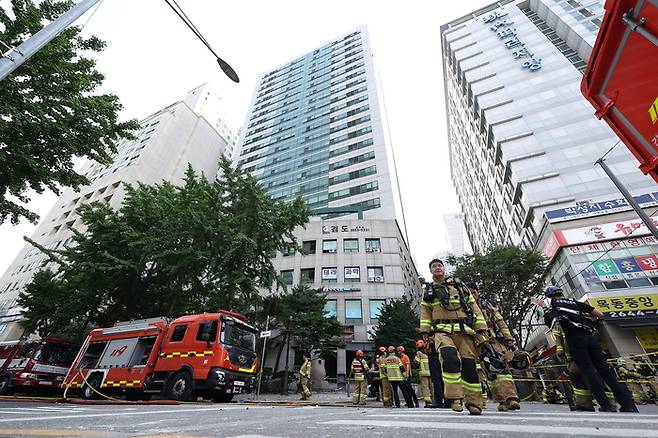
[192, 131]
[315, 129]
[456, 234]
[522, 138]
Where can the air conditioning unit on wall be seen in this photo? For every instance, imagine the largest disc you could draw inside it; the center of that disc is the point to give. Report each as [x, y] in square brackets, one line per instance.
[379, 279]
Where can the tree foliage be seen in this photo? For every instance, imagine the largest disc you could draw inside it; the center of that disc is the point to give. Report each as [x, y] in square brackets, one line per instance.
[167, 251]
[50, 112]
[398, 325]
[299, 315]
[507, 276]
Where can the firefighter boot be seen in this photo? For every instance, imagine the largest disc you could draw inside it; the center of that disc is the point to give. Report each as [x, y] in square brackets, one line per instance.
[456, 405]
[502, 407]
[513, 404]
[474, 410]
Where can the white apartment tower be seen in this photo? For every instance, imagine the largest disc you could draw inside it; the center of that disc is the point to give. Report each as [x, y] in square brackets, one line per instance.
[192, 131]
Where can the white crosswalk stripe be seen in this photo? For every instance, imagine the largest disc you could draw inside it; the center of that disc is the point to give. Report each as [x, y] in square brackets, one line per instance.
[548, 423]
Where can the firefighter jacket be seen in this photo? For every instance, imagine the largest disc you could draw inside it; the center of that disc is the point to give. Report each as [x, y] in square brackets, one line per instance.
[498, 328]
[561, 343]
[447, 310]
[381, 363]
[424, 363]
[359, 368]
[305, 370]
[394, 368]
[629, 376]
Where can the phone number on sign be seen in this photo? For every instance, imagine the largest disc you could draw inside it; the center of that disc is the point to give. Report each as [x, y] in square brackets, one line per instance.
[626, 314]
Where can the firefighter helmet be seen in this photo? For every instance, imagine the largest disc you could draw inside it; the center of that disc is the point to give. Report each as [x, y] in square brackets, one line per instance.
[359, 353]
[420, 343]
[391, 349]
[553, 291]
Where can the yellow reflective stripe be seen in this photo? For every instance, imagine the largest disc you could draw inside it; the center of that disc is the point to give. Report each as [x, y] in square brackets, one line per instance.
[426, 304]
[584, 392]
[119, 383]
[480, 320]
[426, 321]
[505, 378]
[472, 387]
[187, 354]
[451, 377]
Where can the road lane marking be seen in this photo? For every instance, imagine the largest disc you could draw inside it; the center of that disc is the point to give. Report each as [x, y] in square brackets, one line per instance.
[489, 427]
[50, 432]
[514, 417]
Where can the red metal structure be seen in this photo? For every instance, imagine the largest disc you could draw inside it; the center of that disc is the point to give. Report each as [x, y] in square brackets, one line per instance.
[621, 79]
[34, 365]
[211, 354]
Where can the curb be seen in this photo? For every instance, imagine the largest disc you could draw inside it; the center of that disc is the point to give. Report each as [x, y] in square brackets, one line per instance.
[77, 401]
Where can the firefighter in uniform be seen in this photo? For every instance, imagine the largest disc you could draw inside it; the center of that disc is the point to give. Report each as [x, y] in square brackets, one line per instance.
[359, 368]
[383, 377]
[395, 373]
[406, 385]
[424, 372]
[450, 312]
[575, 320]
[551, 395]
[633, 379]
[501, 384]
[305, 377]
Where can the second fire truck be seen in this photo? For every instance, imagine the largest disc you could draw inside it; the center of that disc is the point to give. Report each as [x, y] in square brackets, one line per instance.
[211, 355]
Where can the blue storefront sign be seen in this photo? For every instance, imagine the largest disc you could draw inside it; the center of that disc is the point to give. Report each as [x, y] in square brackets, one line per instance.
[599, 208]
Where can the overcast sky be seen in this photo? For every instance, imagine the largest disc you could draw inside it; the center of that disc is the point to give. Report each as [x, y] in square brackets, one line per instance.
[152, 60]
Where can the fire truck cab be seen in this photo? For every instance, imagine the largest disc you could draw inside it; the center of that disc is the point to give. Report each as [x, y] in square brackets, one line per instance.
[34, 365]
[210, 354]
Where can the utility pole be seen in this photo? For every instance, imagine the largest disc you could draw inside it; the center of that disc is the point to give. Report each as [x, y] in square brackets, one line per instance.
[16, 56]
[262, 357]
[645, 217]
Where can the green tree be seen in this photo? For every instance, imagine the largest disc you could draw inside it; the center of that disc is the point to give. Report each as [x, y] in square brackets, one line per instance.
[167, 251]
[50, 110]
[299, 315]
[507, 276]
[398, 325]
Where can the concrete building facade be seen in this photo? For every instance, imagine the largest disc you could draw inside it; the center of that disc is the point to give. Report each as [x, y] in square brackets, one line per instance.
[190, 131]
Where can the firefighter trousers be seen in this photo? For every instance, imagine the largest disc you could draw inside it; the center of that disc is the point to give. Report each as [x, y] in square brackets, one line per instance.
[306, 383]
[426, 388]
[460, 379]
[502, 384]
[360, 391]
[386, 392]
[400, 384]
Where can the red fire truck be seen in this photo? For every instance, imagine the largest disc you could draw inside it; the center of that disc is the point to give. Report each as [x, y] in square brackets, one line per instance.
[211, 354]
[34, 365]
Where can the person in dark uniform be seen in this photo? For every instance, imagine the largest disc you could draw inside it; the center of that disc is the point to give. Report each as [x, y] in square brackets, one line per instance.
[435, 375]
[575, 319]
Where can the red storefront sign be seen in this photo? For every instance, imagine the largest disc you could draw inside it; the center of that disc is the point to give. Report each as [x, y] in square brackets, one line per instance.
[621, 79]
[648, 263]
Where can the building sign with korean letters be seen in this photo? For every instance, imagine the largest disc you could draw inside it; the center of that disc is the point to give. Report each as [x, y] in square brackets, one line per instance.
[599, 208]
[329, 273]
[499, 23]
[627, 307]
[329, 229]
[353, 273]
[607, 231]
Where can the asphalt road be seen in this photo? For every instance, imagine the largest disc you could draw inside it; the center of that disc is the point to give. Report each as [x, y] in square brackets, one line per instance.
[250, 421]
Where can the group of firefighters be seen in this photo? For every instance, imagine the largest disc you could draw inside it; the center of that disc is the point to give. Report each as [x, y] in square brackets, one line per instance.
[465, 347]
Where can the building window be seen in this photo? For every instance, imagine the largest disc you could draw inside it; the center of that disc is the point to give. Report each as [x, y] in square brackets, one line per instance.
[329, 275]
[353, 314]
[352, 274]
[330, 309]
[375, 274]
[329, 246]
[351, 245]
[286, 276]
[376, 309]
[307, 276]
[373, 245]
[288, 250]
[308, 247]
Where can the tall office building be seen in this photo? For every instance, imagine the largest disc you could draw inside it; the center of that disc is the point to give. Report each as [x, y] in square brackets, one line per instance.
[315, 129]
[456, 234]
[192, 131]
[522, 138]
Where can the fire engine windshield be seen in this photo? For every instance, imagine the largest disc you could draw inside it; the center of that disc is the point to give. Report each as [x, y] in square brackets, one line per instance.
[56, 354]
[238, 335]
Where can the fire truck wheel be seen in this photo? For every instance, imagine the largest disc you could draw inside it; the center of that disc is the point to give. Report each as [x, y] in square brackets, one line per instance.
[92, 382]
[222, 398]
[180, 387]
[5, 386]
